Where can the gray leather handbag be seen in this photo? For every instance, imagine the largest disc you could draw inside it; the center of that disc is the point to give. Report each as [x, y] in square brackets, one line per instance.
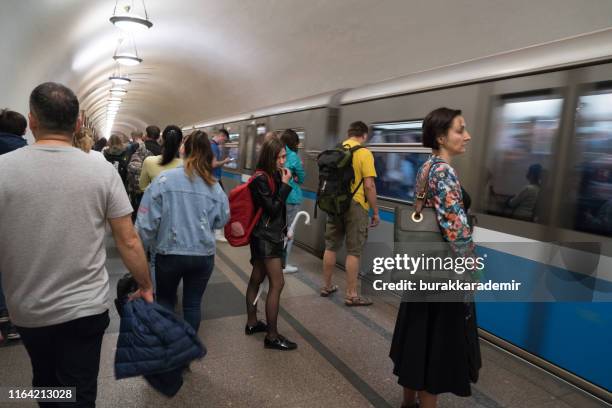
[416, 230]
[417, 234]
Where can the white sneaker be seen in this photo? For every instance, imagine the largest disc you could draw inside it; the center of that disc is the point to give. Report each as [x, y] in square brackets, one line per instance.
[290, 269]
[219, 236]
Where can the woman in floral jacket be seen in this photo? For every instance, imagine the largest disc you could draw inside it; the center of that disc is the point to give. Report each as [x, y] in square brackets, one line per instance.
[435, 344]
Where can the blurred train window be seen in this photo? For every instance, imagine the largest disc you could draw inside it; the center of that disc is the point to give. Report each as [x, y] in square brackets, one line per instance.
[251, 134]
[524, 134]
[301, 135]
[593, 149]
[232, 149]
[261, 131]
[396, 132]
[398, 154]
[396, 174]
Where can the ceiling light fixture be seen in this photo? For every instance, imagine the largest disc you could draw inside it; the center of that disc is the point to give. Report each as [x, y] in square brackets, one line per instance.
[120, 80]
[118, 91]
[128, 20]
[125, 56]
[128, 60]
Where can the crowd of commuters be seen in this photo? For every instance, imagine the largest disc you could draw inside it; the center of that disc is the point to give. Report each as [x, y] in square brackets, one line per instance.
[56, 290]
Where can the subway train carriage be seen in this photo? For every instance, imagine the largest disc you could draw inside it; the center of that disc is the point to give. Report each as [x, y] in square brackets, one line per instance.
[544, 110]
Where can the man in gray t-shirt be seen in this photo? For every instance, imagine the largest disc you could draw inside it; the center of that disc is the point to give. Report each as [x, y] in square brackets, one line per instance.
[54, 204]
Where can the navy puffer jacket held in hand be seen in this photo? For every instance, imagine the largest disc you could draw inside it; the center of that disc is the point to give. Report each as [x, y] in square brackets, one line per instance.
[155, 343]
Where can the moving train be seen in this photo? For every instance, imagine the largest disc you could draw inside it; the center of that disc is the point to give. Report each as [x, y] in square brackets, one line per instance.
[547, 107]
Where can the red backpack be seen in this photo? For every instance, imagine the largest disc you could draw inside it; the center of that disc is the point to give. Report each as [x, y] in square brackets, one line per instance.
[243, 216]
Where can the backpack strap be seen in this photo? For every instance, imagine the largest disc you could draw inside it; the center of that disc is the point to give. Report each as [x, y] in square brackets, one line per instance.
[347, 146]
[357, 188]
[353, 150]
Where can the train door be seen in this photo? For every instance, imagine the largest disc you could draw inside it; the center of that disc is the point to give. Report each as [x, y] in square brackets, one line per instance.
[255, 132]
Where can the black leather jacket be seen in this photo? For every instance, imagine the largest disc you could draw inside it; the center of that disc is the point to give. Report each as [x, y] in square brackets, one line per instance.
[272, 225]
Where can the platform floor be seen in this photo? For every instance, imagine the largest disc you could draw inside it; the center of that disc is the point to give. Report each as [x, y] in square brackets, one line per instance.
[342, 358]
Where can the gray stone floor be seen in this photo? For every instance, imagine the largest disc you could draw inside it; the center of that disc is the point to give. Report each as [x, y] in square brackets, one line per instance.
[342, 358]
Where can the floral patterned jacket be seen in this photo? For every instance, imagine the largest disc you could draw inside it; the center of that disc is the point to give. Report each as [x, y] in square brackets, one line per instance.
[444, 194]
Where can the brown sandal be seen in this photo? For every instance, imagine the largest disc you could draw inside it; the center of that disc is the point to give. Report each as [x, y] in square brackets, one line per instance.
[357, 301]
[326, 291]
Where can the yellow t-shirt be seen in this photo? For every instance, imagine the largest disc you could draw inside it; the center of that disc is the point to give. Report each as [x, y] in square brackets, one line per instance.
[363, 165]
[151, 169]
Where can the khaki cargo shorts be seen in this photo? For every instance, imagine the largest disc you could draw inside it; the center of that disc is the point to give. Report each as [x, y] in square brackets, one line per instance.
[353, 225]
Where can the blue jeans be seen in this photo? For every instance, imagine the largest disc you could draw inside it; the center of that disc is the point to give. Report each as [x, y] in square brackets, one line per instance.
[2, 299]
[195, 272]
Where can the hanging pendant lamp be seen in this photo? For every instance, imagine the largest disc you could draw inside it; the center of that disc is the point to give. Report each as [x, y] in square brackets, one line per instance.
[118, 91]
[118, 78]
[127, 19]
[125, 55]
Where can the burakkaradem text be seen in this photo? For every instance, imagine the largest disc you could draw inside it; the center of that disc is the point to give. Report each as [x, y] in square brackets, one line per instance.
[449, 285]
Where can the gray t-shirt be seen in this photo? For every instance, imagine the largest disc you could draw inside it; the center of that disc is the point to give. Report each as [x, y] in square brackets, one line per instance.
[54, 203]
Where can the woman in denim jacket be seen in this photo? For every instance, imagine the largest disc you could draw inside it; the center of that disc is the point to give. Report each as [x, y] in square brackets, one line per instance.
[177, 217]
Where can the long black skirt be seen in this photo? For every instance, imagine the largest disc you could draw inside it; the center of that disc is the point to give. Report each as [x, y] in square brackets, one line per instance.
[435, 347]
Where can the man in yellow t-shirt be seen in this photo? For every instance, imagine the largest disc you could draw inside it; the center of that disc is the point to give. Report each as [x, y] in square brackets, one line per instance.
[353, 225]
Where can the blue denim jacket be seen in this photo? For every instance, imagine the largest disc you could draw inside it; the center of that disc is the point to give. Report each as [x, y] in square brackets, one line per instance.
[178, 216]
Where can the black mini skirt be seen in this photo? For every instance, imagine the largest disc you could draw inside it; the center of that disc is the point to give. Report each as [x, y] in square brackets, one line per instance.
[263, 249]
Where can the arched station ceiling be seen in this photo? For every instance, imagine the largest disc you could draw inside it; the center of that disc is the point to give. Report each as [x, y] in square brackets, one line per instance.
[210, 58]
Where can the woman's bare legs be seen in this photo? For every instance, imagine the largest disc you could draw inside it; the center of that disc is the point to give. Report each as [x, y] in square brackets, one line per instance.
[409, 397]
[427, 400]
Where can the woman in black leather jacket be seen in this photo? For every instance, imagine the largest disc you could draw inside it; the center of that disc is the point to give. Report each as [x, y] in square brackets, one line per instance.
[269, 189]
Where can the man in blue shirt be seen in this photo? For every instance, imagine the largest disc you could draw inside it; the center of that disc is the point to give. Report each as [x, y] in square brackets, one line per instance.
[12, 128]
[220, 137]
